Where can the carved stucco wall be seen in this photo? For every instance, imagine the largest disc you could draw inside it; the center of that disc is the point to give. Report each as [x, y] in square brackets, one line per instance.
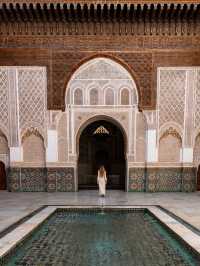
[197, 150]
[32, 99]
[197, 101]
[22, 101]
[62, 138]
[171, 100]
[34, 150]
[141, 128]
[178, 108]
[170, 148]
[97, 90]
[178, 105]
[4, 150]
[4, 112]
[95, 78]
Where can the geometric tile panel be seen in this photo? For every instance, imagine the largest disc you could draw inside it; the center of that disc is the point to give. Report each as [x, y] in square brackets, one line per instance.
[14, 179]
[51, 179]
[172, 96]
[4, 113]
[164, 179]
[60, 179]
[189, 179]
[137, 179]
[65, 179]
[33, 179]
[32, 98]
[41, 179]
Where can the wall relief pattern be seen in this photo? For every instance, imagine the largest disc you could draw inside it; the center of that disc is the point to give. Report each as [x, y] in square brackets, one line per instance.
[196, 152]
[102, 82]
[4, 111]
[105, 75]
[32, 98]
[197, 100]
[171, 100]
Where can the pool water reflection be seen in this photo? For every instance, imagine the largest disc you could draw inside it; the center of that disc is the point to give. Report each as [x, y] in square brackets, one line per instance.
[90, 238]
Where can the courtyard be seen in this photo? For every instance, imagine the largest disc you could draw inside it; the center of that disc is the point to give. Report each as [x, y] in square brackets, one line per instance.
[15, 206]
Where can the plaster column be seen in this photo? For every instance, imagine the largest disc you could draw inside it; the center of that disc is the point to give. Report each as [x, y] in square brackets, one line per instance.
[151, 145]
[16, 154]
[52, 147]
[16, 150]
[151, 136]
[187, 155]
[187, 151]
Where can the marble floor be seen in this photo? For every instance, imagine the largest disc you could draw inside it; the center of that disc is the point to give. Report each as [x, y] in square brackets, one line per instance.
[14, 206]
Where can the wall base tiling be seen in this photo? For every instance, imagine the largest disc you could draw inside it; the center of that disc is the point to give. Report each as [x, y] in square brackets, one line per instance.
[60, 179]
[162, 179]
[13, 179]
[41, 179]
[189, 181]
[137, 179]
[33, 179]
[152, 179]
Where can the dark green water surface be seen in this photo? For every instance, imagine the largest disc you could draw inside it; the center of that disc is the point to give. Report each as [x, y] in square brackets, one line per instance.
[93, 238]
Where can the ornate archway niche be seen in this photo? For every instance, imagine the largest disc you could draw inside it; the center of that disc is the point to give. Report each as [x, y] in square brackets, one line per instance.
[98, 75]
[89, 144]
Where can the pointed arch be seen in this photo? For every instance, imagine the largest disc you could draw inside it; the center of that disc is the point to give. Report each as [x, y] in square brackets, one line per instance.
[170, 144]
[33, 147]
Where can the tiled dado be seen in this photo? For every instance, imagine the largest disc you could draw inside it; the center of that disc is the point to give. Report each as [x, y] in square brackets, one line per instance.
[137, 178]
[162, 179]
[41, 179]
[140, 179]
[60, 179]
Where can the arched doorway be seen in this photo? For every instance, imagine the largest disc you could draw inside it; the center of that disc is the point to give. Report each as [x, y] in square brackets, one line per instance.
[101, 143]
[2, 176]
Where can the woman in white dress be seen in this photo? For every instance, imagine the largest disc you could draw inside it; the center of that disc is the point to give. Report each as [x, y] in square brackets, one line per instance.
[101, 181]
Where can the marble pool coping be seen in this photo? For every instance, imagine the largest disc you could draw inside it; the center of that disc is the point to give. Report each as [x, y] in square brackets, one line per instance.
[13, 238]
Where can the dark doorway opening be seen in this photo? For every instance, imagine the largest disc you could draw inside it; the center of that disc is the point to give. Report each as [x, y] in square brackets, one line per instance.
[101, 143]
[2, 176]
[198, 178]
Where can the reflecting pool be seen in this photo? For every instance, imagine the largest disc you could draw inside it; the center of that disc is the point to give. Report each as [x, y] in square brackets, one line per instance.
[93, 237]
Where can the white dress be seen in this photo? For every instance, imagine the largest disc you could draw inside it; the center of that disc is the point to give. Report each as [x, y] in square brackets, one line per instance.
[101, 181]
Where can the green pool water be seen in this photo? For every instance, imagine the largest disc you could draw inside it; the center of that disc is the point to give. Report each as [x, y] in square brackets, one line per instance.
[93, 238]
